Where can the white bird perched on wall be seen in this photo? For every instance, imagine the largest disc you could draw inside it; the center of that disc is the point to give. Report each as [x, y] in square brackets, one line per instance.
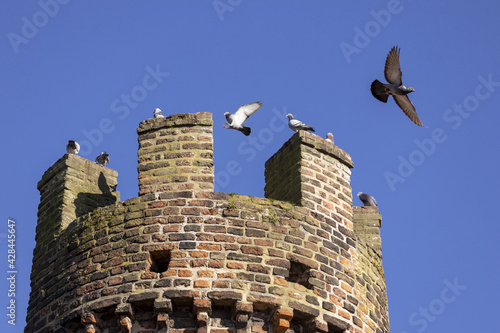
[329, 137]
[296, 125]
[237, 119]
[157, 113]
[72, 147]
[102, 158]
[367, 199]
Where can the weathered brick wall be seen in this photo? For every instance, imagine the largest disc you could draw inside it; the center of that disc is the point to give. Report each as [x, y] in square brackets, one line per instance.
[370, 278]
[313, 173]
[72, 187]
[176, 155]
[367, 223]
[181, 258]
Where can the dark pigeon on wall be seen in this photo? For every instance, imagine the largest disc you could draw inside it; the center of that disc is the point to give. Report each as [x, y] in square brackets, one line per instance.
[367, 199]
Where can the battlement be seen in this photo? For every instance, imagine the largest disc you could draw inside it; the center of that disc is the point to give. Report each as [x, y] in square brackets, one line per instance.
[183, 258]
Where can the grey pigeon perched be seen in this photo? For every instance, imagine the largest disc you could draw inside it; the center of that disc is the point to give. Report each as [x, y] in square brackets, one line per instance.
[395, 87]
[367, 199]
[296, 125]
[72, 147]
[102, 158]
[158, 114]
[329, 137]
[237, 119]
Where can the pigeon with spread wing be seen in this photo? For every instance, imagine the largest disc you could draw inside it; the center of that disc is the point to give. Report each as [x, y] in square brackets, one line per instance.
[237, 119]
[395, 87]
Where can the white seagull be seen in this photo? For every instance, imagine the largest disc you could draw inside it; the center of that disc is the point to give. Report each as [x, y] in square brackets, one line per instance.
[237, 119]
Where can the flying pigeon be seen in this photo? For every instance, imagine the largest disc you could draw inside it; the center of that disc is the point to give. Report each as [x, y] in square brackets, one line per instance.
[367, 199]
[72, 147]
[395, 87]
[102, 158]
[158, 114]
[237, 119]
[296, 125]
[329, 137]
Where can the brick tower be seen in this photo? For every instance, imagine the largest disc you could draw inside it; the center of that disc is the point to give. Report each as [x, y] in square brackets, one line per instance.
[183, 258]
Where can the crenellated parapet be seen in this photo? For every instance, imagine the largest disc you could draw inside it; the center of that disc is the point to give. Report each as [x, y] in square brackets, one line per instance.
[183, 258]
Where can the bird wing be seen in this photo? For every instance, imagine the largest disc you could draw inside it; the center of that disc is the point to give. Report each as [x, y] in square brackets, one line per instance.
[407, 106]
[245, 111]
[296, 123]
[392, 70]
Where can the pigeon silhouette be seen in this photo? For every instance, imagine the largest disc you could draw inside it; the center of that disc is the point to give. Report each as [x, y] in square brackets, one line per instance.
[395, 87]
[237, 119]
[296, 125]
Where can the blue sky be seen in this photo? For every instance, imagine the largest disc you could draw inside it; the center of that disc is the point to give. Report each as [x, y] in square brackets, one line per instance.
[91, 71]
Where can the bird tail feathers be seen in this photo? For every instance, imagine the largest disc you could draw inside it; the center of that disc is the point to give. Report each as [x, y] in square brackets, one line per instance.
[245, 130]
[378, 91]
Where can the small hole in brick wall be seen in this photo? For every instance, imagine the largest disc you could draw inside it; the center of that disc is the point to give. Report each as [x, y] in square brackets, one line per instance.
[299, 273]
[159, 261]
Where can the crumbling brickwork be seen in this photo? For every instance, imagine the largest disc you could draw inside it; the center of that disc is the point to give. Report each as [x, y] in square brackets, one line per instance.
[183, 258]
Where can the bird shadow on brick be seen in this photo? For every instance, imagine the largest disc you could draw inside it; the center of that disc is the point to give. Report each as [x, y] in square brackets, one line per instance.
[87, 202]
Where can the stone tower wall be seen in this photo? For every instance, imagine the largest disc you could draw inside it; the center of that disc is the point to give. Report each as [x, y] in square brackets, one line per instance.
[182, 258]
